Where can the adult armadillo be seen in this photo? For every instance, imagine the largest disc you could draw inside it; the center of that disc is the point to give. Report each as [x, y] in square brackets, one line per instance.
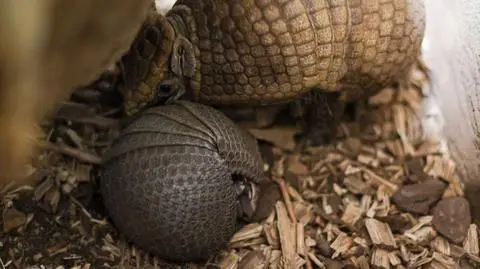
[221, 52]
[262, 52]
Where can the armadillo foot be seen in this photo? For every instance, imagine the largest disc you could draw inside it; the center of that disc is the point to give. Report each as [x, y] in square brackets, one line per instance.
[321, 113]
[248, 193]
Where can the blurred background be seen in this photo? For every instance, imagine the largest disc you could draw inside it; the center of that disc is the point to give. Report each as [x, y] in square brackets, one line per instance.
[452, 52]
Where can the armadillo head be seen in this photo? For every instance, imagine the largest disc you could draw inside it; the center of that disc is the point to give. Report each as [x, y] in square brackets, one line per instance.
[151, 64]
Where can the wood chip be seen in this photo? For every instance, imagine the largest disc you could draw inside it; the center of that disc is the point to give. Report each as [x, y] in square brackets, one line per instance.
[396, 148]
[248, 243]
[420, 259]
[380, 259]
[394, 259]
[380, 233]
[421, 222]
[271, 233]
[250, 231]
[80, 155]
[362, 262]
[355, 184]
[442, 261]
[341, 244]
[299, 262]
[52, 197]
[440, 166]
[441, 245]
[368, 160]
[457, 251]
[316, 261]
[423, 235]
[43, 188]
[470, 244]
[301, 249]
[303, 212]
[286, 231]
[275, 259]
[352, 214]
[254, 260]
[230, 261]
[377, 180]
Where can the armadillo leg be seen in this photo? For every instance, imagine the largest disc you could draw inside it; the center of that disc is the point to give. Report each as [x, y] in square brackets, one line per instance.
[319, 115]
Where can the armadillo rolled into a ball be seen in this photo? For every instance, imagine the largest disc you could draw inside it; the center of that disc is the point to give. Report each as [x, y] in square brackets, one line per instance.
[169, 180]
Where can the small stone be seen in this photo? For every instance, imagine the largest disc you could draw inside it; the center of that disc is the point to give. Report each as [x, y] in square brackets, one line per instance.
[451, 218]
[420, 197]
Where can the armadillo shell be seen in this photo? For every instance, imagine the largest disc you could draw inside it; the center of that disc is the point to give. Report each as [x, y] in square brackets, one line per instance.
[167, 180]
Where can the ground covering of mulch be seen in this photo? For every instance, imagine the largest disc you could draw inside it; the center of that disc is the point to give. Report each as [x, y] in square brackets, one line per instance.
[383, 195]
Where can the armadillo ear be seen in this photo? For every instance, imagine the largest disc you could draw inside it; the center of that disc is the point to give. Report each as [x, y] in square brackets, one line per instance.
[183, 62]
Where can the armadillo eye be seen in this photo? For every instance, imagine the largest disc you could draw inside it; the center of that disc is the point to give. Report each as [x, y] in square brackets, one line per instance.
[164, 88]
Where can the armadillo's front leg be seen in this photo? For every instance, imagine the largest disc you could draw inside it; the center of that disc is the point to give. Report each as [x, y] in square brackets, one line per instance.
[320, 116]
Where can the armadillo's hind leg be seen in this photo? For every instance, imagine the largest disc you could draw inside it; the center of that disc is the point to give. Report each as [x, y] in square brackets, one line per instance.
[322, 114]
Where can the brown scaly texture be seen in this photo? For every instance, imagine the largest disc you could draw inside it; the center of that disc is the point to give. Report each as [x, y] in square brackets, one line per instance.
[268, 51]
[47, 49]
[167, 180]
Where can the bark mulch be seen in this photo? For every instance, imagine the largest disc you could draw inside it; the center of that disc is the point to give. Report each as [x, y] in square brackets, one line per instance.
[383, 195]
